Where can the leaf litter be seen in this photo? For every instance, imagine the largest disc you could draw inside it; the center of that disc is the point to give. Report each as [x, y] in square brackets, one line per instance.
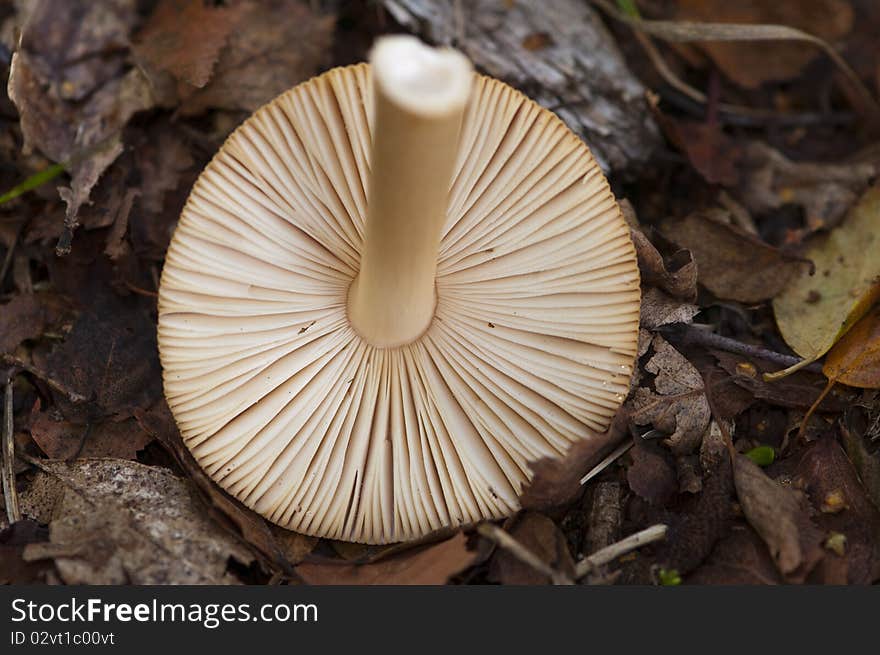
[131, 106]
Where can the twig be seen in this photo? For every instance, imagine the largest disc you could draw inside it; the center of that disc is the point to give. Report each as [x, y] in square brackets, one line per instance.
[9, 253]
[605, 463]
[523, 554]
[10, 495]
[689, 335]
[622, 547]
[72, 396]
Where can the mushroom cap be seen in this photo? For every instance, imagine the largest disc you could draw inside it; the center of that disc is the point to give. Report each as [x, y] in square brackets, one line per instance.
[289, 410]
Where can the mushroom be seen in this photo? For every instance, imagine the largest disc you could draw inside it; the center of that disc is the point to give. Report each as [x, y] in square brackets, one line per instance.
[393, 288]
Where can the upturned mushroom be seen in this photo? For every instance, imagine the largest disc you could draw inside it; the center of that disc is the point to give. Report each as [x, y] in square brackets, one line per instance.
[394, 287]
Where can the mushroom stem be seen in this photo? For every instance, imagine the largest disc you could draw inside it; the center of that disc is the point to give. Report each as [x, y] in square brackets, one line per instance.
[419, 98]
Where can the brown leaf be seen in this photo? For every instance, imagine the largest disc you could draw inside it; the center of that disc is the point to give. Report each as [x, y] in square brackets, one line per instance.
[109, 356]
[60, 439]
[159, 423]
[428, 565]
[825, 191]
[660, 309]
[538, 534]
[184, 38]
[25, 317]
[678, 404]
[855, 359]
[677, 276]
[651, 475]
[120, 522]
[797, 391]
[778, 515]
[740, 559]
[13, 539]
[557, 481]
[281, 43]
[731, 263]
[752, 66]
[69, 84]
[826, 473]
[712, 153]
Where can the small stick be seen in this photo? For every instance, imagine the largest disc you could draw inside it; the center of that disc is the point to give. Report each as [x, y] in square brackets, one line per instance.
[523, 554]
[72, 396]
[695, 336]
[10, 495]
[605, 463]
[622, 547]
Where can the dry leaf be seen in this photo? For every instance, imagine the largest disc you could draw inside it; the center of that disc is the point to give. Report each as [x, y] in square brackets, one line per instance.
[740, 559]
[855, 359]
[25, 317]
[184, 38]
[825, 472]
[678, 404]
[814, 311]
[824, 191]
[60, 439]
[539, 535]
[651, 475]
[658, 309]
[778, 515]
[429, 565]
[731, 263]
[119, 522]
[264, 57]
[13, 540]
[68, 82]
[677, 276]
[751, 66]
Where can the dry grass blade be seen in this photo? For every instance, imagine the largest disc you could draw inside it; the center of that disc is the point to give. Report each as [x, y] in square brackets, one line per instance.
[523, 554]
[622, 547]
[13, 513]
[686, 31]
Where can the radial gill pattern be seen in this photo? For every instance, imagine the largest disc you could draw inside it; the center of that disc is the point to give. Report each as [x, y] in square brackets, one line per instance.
[290, 411]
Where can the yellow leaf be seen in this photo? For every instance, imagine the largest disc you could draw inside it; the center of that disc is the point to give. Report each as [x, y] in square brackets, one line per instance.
[814, 311]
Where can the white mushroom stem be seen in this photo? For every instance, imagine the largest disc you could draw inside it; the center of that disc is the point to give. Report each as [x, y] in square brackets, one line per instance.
[419, 99]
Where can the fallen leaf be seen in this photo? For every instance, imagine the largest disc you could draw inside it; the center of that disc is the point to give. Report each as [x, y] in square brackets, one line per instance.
[428, 565]
[264, 57]
[13, 539]
[751, 66]
[731, 263]
[814, 311]
[119, 522]
[184, 38]
[677, 276]
[825, 191]
[778, 515]
[677, 405]
[159, 423]
[712, 153]
[740, 559]
[658, 309]
[855, 359]
[60, 439]
[541, 537]
[73, 94]
[827, 475]
[557, 480]
[110, 356]
[26, 316]
[651, 475]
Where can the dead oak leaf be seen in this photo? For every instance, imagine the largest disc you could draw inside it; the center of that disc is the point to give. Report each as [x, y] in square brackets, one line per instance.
[428, 565]
[677, 404]
[119, 522]
[778, 515]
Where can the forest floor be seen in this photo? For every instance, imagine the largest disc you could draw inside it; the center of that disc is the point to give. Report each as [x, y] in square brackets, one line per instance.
[757, 227]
